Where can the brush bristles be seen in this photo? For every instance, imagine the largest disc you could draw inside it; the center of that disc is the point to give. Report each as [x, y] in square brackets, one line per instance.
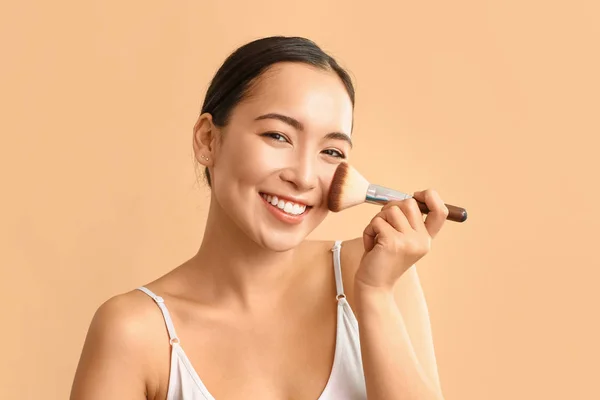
[348, 188]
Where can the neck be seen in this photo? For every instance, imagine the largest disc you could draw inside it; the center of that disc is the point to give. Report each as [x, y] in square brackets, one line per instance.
[232, 267]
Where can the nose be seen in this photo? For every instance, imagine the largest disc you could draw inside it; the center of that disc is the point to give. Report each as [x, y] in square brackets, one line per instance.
[302, 175]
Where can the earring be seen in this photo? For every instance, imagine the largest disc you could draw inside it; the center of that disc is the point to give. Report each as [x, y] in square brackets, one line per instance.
[204, 157]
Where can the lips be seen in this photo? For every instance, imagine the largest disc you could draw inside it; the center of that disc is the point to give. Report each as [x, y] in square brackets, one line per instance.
[286, 206]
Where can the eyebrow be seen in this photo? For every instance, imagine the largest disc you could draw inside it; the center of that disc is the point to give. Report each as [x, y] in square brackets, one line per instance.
[294, 123]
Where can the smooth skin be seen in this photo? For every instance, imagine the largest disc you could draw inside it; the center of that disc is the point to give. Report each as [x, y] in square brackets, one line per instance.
[255, 308]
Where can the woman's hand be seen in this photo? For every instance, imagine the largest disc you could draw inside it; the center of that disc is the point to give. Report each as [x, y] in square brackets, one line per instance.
[396, 238]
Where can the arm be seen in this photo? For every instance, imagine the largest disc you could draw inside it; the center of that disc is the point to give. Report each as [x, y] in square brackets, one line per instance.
[406, 325]
[111, 363]
[390, 305]
[411, 302]
[393, 367]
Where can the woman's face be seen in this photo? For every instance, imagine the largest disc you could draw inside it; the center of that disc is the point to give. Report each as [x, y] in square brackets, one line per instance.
[274, 163]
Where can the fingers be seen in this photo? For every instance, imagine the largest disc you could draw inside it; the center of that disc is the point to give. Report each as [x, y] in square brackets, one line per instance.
[396, 218]
[410, 213]
[376, 228]
[392, 219]
[438, 210]
[436, 217]
[405, 216]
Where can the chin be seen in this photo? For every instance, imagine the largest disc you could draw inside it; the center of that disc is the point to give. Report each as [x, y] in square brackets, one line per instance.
[280, 241]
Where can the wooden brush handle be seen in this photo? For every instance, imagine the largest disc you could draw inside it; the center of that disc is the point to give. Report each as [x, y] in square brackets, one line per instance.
[456, 214]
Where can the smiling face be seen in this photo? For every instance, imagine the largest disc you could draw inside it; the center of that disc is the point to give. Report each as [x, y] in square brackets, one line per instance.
[273, 164]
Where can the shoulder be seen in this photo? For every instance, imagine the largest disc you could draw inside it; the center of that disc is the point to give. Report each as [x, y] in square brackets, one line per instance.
[407, 291]
[351, 253]
[127, 317]
[122, 344]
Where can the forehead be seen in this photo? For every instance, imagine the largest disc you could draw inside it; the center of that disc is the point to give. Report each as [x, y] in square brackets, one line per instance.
[315, 97]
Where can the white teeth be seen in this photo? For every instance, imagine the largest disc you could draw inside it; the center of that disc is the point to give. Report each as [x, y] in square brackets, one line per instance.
[286, 206]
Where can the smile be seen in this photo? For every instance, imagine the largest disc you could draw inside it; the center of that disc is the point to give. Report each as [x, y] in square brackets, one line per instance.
[286, 206]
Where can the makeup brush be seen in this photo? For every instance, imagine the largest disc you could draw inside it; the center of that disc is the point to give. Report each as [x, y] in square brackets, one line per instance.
[349, 188]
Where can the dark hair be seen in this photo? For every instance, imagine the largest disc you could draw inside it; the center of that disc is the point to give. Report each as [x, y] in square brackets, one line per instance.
[232, 82]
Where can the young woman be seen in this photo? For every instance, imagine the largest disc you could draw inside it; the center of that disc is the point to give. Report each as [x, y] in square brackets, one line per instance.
[260, 312]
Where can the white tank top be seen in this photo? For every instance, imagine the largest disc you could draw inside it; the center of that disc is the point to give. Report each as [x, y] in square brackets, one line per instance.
[346, 380]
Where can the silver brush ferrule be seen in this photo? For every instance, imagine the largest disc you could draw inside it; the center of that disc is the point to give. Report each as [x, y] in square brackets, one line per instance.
[381, 195]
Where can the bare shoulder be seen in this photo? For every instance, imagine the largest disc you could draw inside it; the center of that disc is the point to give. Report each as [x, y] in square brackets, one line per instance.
[407, 288]
[352, 249]
[125, 320]
[350, 257]
[351, 253]
[122, 344]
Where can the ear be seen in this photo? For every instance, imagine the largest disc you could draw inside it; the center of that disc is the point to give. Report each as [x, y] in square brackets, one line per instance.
[205, 139]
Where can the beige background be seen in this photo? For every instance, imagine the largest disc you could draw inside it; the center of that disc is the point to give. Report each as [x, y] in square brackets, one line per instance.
[493, 103]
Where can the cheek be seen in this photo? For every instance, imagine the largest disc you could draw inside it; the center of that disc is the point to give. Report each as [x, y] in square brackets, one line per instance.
[249, 159]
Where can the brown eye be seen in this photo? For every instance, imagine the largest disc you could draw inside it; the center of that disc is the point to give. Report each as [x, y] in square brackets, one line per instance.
[276, 136]
[334, 153]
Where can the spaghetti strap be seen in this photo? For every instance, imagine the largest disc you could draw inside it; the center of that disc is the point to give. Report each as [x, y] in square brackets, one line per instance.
[168, 321]
[337, 268]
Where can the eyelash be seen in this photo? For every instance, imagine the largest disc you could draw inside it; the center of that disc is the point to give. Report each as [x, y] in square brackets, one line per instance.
[339, 154]
[275, 136]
